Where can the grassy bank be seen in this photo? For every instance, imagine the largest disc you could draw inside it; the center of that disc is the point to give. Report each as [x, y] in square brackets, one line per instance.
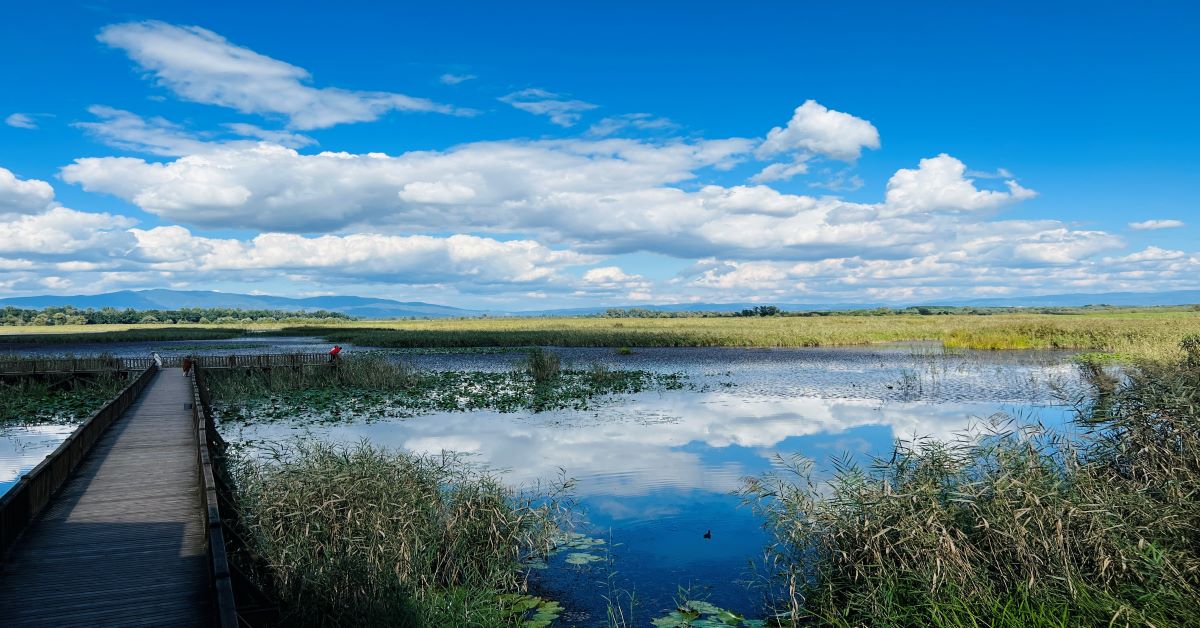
[364, 387]
[1148, 333]
[363, 536]
[1005, 529]
[80, 334]
[29, 402]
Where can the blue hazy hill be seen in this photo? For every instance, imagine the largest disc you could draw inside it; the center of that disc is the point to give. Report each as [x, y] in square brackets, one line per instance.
[367, 307]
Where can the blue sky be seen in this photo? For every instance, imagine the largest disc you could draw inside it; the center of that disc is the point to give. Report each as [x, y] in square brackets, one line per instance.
[548, 154]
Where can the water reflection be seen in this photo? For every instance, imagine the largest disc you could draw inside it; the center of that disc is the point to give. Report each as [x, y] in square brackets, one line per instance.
[23, 447]
[655, 471]
[678, 440]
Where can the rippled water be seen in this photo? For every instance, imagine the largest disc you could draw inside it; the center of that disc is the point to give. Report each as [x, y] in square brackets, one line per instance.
[656, 470]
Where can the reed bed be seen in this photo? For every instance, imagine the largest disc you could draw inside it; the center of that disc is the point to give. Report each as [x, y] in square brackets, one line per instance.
[51, 336]
[1134, 334]
[363, 372]
[1008, 527]
[365, 536]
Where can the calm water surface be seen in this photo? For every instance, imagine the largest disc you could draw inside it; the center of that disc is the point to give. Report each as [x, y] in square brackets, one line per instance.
[656, 470]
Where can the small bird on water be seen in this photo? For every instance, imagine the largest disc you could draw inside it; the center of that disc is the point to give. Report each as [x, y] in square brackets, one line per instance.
[708, 535]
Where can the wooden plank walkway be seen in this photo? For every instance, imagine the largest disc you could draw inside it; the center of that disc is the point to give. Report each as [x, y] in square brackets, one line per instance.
[123, 542]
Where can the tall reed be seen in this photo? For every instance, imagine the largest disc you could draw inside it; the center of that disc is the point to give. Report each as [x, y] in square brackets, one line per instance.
[1008, 527]
[19, 335]
[542, 365]
[360, 371]
[366, 536]
[1148, 333]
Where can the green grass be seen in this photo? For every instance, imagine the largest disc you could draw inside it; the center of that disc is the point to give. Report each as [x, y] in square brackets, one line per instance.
[363, 536]
[1138, 333]
[1004, 528]
[30, 402]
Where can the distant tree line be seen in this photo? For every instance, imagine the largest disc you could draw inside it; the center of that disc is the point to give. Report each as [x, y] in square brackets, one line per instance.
[68, 315]
[922, 310]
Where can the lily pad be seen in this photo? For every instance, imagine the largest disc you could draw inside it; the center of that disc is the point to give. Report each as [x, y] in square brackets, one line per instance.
[701, 614]
[582, 558]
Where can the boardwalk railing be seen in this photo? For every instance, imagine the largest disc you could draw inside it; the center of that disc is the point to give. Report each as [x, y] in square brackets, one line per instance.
[237, 598]
[33, 491]
[250, 360]
[40, 366]
[207, 444]
[45, 366]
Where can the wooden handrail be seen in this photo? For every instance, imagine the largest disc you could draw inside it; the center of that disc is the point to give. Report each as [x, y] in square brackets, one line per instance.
[38, 366]
[254, 360]
[33, 366]
[26, 499]
[224, 605]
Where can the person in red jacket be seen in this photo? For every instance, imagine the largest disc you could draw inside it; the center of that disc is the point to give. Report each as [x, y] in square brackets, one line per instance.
[333, 354]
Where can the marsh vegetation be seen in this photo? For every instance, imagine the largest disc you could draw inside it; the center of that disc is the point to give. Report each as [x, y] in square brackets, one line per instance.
[1134, 334]
[363, 536]
[1011, 524]
[80, 334]
[366, 387]
[1006, 527]
[33, 402]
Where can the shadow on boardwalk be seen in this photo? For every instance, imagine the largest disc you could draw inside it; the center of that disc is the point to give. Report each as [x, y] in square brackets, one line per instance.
[123, 542]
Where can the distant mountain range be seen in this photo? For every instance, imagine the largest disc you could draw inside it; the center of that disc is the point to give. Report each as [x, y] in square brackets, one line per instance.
[365, 307]
[174, 299]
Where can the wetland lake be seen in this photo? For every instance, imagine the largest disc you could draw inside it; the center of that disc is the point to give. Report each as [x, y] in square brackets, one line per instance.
[654, 471]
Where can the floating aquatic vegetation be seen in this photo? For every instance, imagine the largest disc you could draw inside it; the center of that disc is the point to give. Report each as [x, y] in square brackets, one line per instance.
[530, 611]
[575, 540]
[583, 558]
[39, 403]
[314, 398]
[701, 614]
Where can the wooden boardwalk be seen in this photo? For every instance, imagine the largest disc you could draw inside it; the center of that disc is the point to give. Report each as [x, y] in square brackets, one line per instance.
[123, 542]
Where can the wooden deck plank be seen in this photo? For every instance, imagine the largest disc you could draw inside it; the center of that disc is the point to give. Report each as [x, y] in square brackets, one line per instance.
[123, 542]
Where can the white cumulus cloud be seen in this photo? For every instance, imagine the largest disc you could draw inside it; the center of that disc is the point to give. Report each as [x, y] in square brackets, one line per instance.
[939, 184]
[23, 196]
[819, 130]
[202, 66]
[397, 259]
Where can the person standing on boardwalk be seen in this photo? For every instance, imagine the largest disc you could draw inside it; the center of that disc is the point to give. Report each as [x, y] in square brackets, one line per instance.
[333, 354]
